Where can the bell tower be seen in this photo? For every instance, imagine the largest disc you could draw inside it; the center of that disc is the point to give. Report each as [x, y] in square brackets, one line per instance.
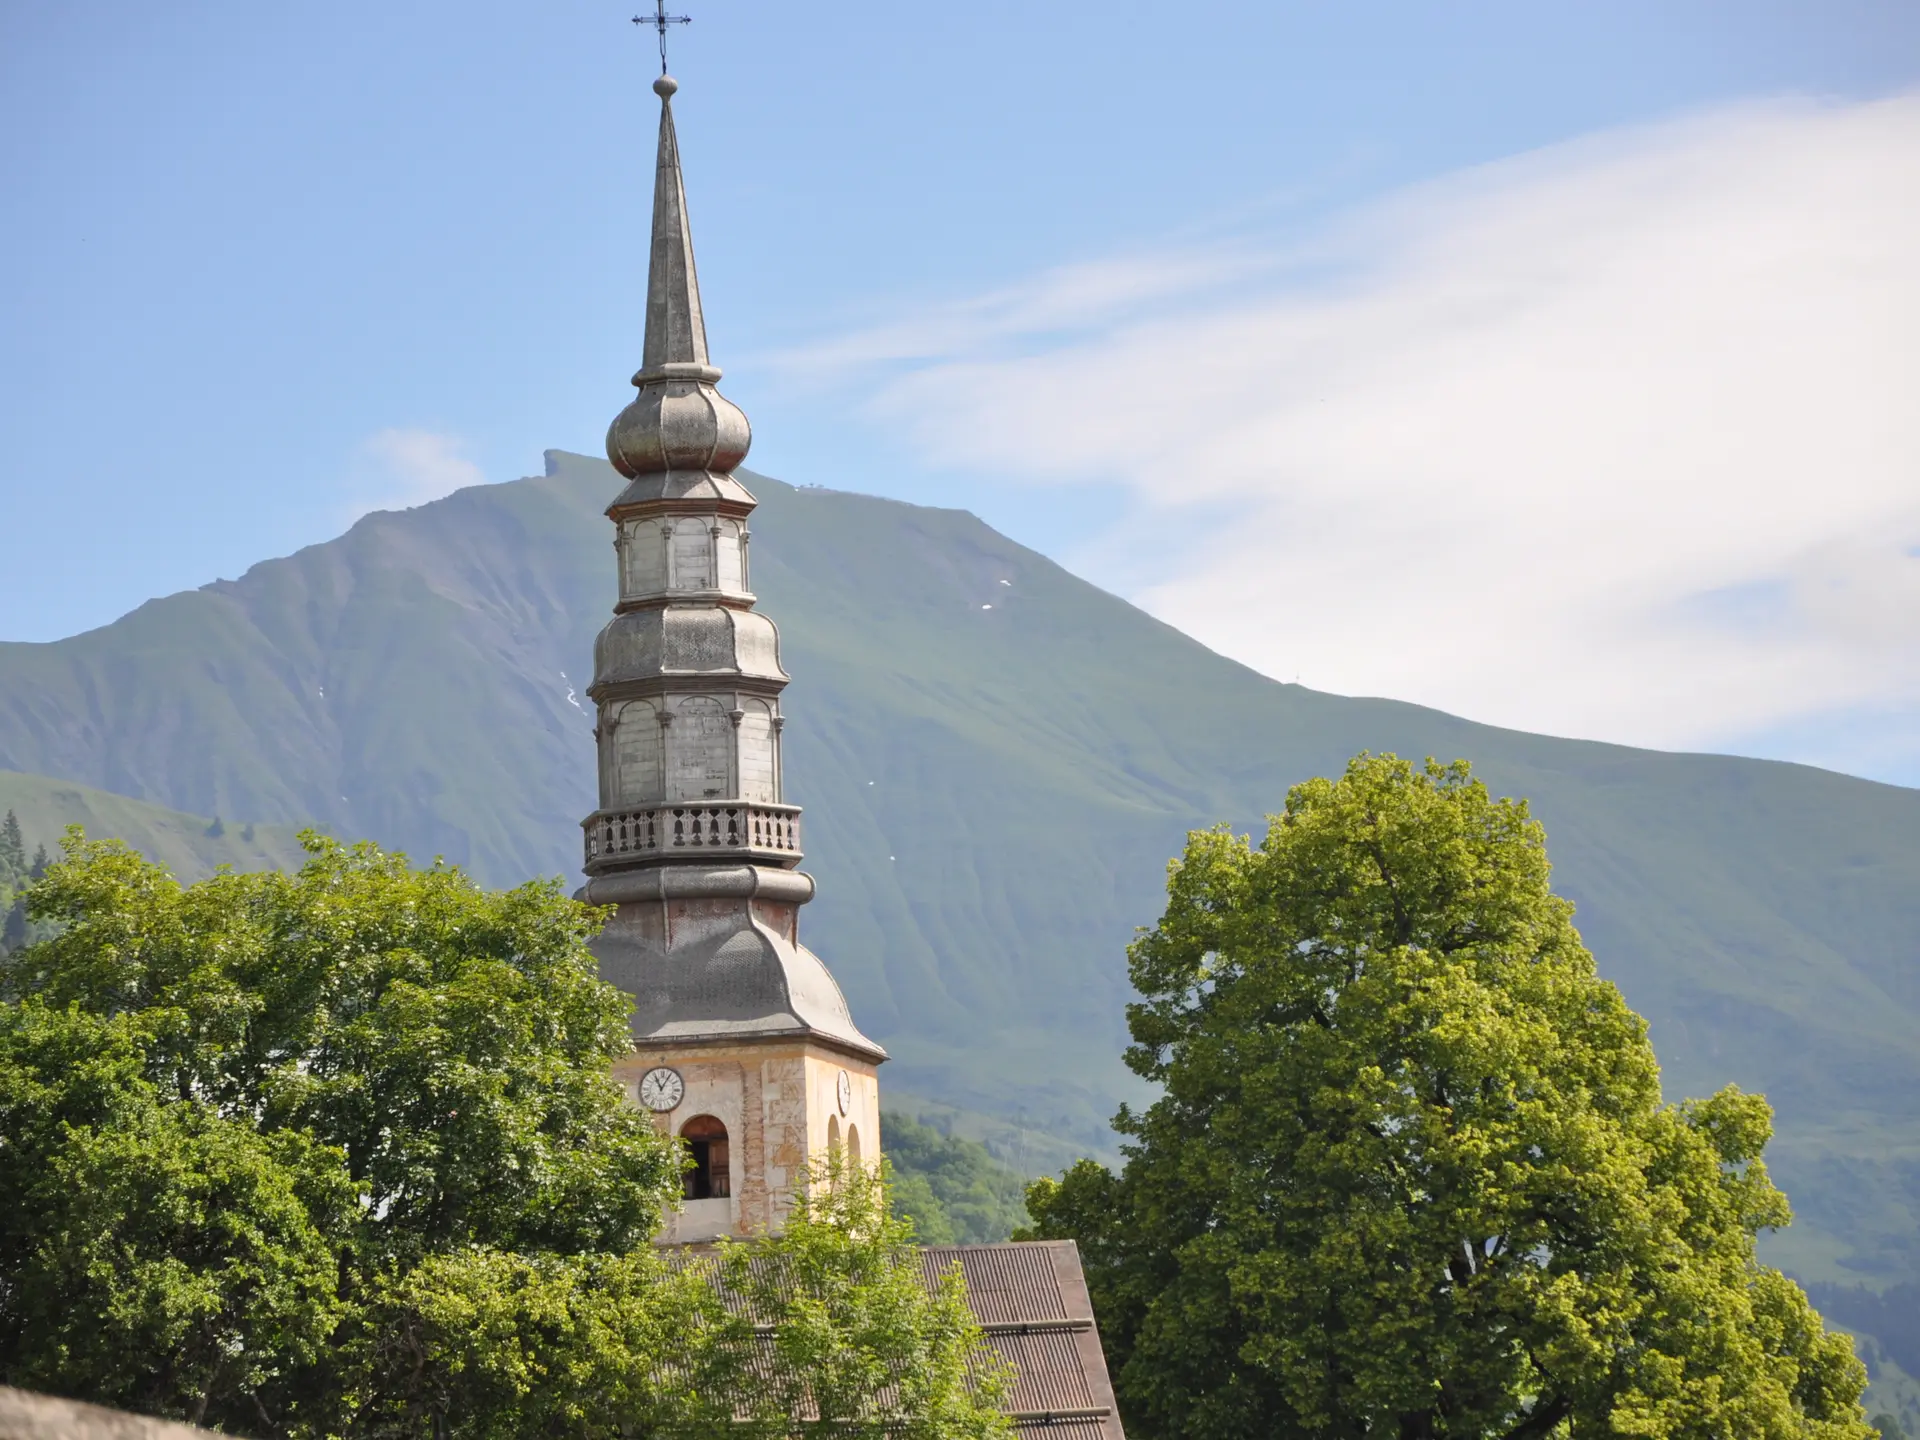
[743, 1044]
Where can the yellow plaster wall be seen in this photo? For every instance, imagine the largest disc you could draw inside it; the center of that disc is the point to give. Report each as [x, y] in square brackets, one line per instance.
[775, 1098]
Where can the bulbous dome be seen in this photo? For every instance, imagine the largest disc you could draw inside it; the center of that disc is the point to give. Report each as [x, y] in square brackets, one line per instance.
[678, 423]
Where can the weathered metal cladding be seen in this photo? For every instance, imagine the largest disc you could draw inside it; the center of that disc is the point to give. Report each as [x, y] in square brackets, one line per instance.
[693, 841]
[700, 972]
[704, 640]
[676, 326]
[678, 425]
[682, 490]
[1010, 1285]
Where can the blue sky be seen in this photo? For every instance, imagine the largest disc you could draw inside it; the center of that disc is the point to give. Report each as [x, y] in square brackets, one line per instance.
[270, 266]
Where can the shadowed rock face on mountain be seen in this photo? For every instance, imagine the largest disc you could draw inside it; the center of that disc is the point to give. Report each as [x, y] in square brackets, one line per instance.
[992, 795]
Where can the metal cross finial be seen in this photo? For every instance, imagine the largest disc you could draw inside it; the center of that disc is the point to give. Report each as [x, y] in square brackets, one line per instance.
[660, 20]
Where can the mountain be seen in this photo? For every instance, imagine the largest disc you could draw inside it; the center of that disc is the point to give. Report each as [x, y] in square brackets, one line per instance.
[997, 760]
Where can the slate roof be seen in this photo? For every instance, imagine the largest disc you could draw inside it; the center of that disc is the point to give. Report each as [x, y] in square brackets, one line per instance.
[1030, 1296]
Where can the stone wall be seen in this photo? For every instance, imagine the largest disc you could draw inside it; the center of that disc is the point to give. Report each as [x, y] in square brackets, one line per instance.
[25, 1416]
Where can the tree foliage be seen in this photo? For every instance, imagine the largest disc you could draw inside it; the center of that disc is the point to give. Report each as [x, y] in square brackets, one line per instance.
[157, 1255]
[16, 870]
[499, 1345]
[1411, 1174]
[242, 1117]
[13, 849]
[337, 1154]
[855, 1341]
[828, 1328]
[1891, 1316]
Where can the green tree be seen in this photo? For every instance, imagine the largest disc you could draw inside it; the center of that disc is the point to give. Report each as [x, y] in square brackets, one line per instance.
[250, 1122]
[337, 1154]
[156, 1255]
[13, 849]
[1411, 1174]
[829, 1328]
[857, 1341]
[497, 1345]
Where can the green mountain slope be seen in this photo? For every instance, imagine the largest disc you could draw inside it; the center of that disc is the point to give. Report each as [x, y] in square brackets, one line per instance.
[191, 846]
[992, 795]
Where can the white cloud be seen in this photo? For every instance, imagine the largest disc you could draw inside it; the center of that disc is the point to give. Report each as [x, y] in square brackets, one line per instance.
[1619, 439]
[411, 467]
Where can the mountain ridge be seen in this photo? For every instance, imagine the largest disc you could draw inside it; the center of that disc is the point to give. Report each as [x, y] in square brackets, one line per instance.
[996, 760]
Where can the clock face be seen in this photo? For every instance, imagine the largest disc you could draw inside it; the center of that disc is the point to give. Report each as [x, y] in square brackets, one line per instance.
[661, 1089]
[846, 1092]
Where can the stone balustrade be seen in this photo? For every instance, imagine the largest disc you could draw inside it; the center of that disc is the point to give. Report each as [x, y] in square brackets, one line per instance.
[720, 830]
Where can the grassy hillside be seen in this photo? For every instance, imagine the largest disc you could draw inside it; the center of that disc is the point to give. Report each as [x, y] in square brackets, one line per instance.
[188, 845]
[997, 760]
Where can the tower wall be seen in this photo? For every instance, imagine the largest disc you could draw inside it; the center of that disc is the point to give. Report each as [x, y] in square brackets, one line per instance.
[782, 1102]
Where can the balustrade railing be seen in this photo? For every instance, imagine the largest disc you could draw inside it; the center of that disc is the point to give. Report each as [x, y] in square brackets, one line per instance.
[682, 830]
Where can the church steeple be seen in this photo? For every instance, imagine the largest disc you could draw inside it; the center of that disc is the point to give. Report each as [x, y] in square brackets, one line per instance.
[742, 1041]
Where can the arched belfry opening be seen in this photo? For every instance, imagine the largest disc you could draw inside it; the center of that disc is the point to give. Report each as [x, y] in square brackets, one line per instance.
[711, 1175]
[833, 1132]
[853, 1143]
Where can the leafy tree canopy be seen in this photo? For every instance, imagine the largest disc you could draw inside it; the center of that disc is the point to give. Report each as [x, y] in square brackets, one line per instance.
[337, 1154]
[241, 1116]
[857, 1340]
[1411, 1174]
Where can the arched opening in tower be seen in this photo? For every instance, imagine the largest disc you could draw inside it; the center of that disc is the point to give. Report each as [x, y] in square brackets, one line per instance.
[710, 1177]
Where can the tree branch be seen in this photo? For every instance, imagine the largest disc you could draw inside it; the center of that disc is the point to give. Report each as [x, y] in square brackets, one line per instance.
[1544, 1417]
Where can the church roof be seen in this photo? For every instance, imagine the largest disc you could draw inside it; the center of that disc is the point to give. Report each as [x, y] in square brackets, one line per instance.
[737, 983]
[1030, 1296]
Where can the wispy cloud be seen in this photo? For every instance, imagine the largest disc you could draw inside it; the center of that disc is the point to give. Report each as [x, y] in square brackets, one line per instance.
[1063, 304]
[403, 468]
[1618, 439]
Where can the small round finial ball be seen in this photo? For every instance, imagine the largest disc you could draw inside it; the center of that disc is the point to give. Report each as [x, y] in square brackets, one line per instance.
[665, 86]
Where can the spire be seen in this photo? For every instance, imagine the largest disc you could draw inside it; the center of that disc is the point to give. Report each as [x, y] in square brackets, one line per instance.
[678, 424]
[676, 330]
